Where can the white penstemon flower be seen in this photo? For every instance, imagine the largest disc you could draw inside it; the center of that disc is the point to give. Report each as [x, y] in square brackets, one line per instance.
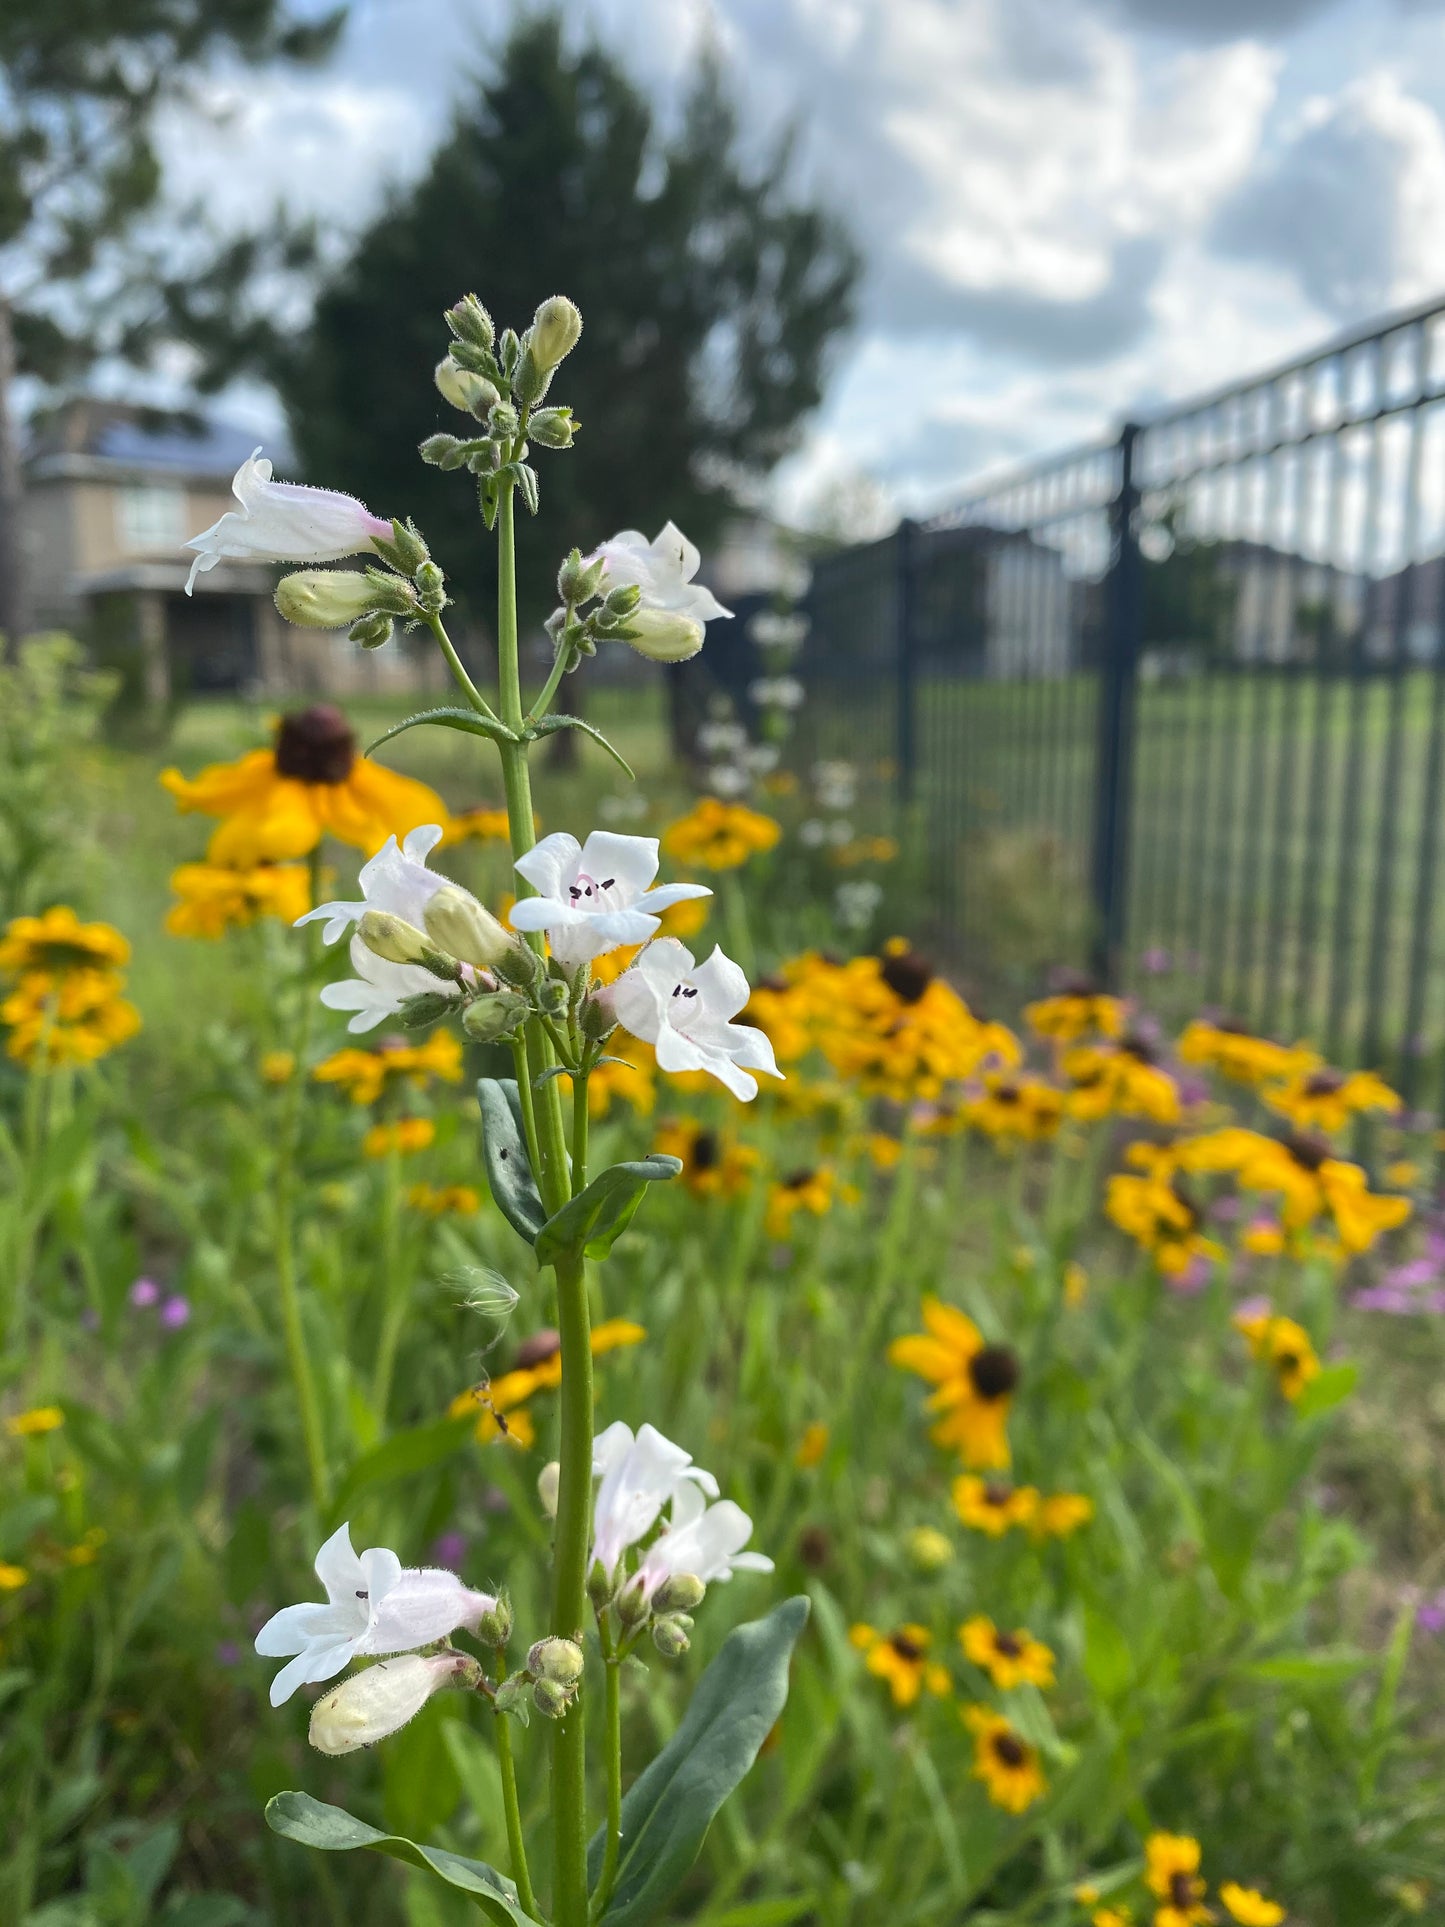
[396, 881]
[704, 1540]
[669, 618]
[641, 1475]
[594, 896]
[684, 1009]
[374, 1604]
[776, 692]
[378, 1702]
[283, 522]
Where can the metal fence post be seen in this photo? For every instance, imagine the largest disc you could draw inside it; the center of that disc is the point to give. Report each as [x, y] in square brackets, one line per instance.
[1118, 675]
[905, 556]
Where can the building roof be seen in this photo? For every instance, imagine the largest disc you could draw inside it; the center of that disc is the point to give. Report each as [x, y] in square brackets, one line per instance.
[113, 440]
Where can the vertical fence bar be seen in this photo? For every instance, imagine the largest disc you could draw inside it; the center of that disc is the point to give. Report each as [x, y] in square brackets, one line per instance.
[1118, 689]
[905, 719]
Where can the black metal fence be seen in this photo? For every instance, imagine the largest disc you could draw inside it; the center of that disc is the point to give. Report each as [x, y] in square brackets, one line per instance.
[1192, 682]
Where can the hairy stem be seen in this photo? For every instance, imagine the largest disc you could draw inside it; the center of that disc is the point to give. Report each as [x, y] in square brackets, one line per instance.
[612, 1850]
[511, 1806]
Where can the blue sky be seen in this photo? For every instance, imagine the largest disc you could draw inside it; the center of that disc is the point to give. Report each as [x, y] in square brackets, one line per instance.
[1068, 211]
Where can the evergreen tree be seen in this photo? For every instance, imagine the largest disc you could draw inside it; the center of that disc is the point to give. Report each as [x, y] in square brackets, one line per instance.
[710, 292]
[80, 84]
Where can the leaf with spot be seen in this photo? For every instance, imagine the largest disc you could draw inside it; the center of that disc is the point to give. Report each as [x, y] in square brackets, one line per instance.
[598, 1216]
[504, 1152]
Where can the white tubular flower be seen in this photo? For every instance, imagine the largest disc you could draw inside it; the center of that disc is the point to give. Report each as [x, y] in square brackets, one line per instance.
[397, 881]
[673, 609]
[371, 1705]
[683, 1009]
[640, 1476]
[593, 896]
[776, 692]
[704, 1540]
[373, 1605]
[281, 522]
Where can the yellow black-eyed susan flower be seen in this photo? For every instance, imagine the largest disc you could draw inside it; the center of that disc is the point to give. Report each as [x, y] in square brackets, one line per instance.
[1236, 1053]
[502, 1401]
[993, 1506]
[1009, 1659]
[975, 1383]
[1158, 1216]
[901, 1658]
[1076, 1011]
[1285, 1346]
[1171, 1871]
[366, 1075]
[215, 898]
[1060, 1514]
[1123, 1078]
[278, 803]
[1249, 1906]
[1016, 1108]
[1323, 1099]
[1004, 1760]
[715, 835]
[811, 1189]
[405, 1135]
[714, 1164]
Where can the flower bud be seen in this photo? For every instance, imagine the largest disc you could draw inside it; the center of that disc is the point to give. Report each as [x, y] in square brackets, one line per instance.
[469, 321]
[679, 1594]
[558, 1660]
[552, 428]
[393, 938]
[550, 1700]
[549, 1481]
[579, 581]
[597, 1020]
[503, 420]
[372, 631]
[494, 1016]
[427, 1007]
[458, 924]
[555, 331]
[521, 966]
[443, 451]
[622, 600]
[325, 598]
[372, 1704]
[472, 394]
[494, 1628]
[669, 1636]
[633, 1607]
[664, 635]
[553, 997]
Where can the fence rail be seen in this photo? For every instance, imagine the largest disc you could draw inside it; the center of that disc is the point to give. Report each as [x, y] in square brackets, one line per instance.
[1194, 680]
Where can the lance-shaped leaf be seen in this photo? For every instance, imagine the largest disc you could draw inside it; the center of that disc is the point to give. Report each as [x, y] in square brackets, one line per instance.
[467, 720]
[296, 1816]
[504, 1151]
[599, 1215]
[549, 725]
[670, 1805]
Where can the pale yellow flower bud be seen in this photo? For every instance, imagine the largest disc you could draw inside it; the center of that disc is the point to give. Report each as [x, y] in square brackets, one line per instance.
[556, 329]
[370, 1705]
[394, 939]
[472, 394]
[325, 598]
[664, 635]
[459, 925]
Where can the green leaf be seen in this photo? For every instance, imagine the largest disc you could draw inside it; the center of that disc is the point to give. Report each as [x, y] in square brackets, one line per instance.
[467, 720]
[670, 1805]
[594, 1219]
[404, 1453]
[1326, 1668]
[296, 1816]
[549, 725]
[1326, 1390]
[504, 1150]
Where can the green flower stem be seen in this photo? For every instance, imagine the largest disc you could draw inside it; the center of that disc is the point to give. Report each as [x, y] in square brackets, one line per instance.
[612, 1850]
[293, 1325]
[524, 1096]
[511, 1806]
[464, 682]
[543, 704]
[574, 1496]
[395, 1287]
[580, 1121]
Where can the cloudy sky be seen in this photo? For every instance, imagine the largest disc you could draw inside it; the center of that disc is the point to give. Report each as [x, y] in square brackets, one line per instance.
[1069, 208]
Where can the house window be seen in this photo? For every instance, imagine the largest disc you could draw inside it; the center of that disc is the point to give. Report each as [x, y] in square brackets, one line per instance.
[151, 520]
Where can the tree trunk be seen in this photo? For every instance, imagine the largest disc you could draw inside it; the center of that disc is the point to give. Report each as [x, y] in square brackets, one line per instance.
[12, 549]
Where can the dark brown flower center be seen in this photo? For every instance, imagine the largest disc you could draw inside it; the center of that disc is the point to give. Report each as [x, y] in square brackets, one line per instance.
[537, 1349]
[798, 1180]
[704, 1151]
[1007, 1093]
[1009, 1644]
[907, 975]
[1073, 983]
[1324, 1083]
[996, 1494]
[1139, 1048]
[1286, 1361]
[815, 1548]
[315, 745]
[1183, 1890]
[1010, 1749]
[1308, 1152]
[905, 1647]
[993, 1372]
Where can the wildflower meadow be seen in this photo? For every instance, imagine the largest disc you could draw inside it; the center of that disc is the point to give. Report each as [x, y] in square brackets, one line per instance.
[556, 1364]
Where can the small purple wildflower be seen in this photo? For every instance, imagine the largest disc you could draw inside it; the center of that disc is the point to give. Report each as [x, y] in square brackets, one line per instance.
[1157, 961]
[145, 1291]
[175, 1312]
[449, 1550]
[1430, 1615]
[1194, 1277]
[228, 1653]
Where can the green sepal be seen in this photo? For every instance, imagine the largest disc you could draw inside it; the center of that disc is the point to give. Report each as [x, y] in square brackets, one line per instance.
[504, 1151]
[466, 720]
[311, 1823]
[671, 1804]
[549, 725]
[598, 1216]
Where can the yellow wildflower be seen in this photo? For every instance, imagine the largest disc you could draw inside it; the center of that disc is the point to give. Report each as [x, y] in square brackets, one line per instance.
[1076, 1013]
[277, 1066]
[720, 836]
[31, 1424]
[1285, 1346]
[901, 1658]
[12, 1578]
[480, 825]
[1321, 1099]
[365, 1075]
[215, 898]
[73, 1019]
[1009, 1659]
[975, 1383]
[58, 942]
[812, 1190]
[407, 1134]
[1158, 1217]
[1249, 1907]
[1172, 1873]
[1061, 1514]
[812, 1446]
[444, 1200]
[713, 1165]
[1238, 1055]
[1004, 1760]
[1076, 1284]
[991, 1505]
[502, 1401]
